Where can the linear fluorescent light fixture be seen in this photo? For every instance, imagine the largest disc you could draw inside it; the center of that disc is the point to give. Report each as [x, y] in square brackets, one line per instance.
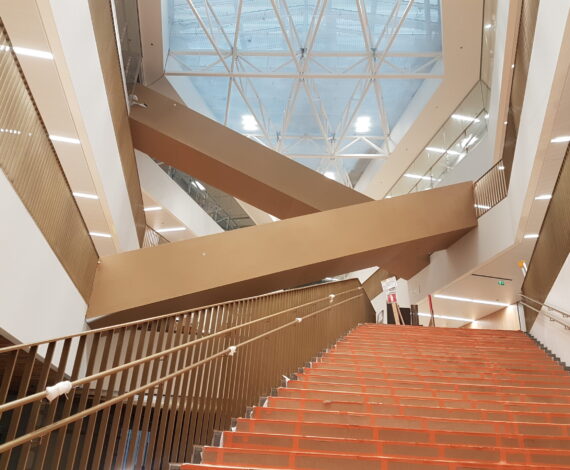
[444, 317]
[198, 185]
[85, 195]
[441, 150]
[562, 138]
[67, 140]
[152, 208]
[543, 197]
[420, 177]
[482, 206]
[28, 52]
[362, 124]
[249, 123]
[531, 235]
[461, 117]
[171, 229]
[475, 301]
[100, 234]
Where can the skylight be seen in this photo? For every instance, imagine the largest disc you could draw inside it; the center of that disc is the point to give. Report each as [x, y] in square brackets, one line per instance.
[311, 79]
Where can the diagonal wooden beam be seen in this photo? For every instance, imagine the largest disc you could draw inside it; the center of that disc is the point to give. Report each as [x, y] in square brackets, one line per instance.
[284, 254]
[180, 137]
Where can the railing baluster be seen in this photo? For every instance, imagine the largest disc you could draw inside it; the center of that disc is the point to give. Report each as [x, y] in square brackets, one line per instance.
[147, 391]
[102, 431]
[33, 416]
[17, 413]
[41, 454]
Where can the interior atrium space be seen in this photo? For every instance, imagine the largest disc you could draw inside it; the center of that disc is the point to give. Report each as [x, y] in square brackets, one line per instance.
[284, 234]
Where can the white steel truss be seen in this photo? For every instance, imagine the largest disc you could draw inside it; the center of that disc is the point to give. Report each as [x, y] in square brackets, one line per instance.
[252, 45]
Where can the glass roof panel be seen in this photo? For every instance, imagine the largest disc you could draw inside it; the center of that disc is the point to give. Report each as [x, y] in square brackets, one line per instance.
[310, 78]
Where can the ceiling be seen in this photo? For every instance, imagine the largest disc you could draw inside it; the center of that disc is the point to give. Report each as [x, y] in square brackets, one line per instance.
[308, 78]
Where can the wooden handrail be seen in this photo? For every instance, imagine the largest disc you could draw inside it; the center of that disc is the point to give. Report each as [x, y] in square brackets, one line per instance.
[144, 393]
[91, 378]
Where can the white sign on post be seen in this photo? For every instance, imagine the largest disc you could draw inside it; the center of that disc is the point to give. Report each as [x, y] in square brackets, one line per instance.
[390, 286]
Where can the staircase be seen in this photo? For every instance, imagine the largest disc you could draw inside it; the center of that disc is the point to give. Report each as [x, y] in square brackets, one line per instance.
[410, 398]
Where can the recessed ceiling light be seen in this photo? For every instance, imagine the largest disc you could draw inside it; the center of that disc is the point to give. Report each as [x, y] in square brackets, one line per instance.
[10, 131]
[100, 235]
[67, 140]
[444, 317]
[362, 124]
[86, 195]
[249, 123]
[198, 185]
[562, 138]
[461, 117]
[505, 123]
[543, 197]
[475, 301]
[531, 235]
[171, 229]
[513, 66]
[152, 208]
[29, 52]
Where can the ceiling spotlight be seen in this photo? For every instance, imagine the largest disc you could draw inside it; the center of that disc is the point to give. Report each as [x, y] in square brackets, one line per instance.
[198, 185]
[249, 123]
[152, 208]
[100, 234]
[461, 117]
[67, 140]
[562, 138]
[531, 235]
[86, 195]
[475, 301]
[543, 197]
[362, 124]
[171, 229]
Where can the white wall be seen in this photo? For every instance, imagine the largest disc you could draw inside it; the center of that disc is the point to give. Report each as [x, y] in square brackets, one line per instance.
[553, 335]
[158, 185]
[38, 300]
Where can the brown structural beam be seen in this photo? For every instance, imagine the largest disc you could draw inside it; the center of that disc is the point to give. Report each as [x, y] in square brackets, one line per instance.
[174, 134]
[292, 252]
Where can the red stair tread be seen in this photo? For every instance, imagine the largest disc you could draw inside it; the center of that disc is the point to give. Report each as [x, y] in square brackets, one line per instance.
[314, 461]
[432, 451]
[389, 397]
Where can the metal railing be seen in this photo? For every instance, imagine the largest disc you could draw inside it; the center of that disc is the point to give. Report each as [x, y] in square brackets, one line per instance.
[552, 313]
[152, 238]
[490, 189]
[142, 394]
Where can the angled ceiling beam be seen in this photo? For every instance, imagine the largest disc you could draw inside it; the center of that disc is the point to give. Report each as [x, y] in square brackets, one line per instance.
[189, 141]
[292, 252]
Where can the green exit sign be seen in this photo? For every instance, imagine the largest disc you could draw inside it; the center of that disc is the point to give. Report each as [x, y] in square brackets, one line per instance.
[501, 283]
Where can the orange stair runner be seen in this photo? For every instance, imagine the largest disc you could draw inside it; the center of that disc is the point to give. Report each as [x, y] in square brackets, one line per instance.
[410, 398]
